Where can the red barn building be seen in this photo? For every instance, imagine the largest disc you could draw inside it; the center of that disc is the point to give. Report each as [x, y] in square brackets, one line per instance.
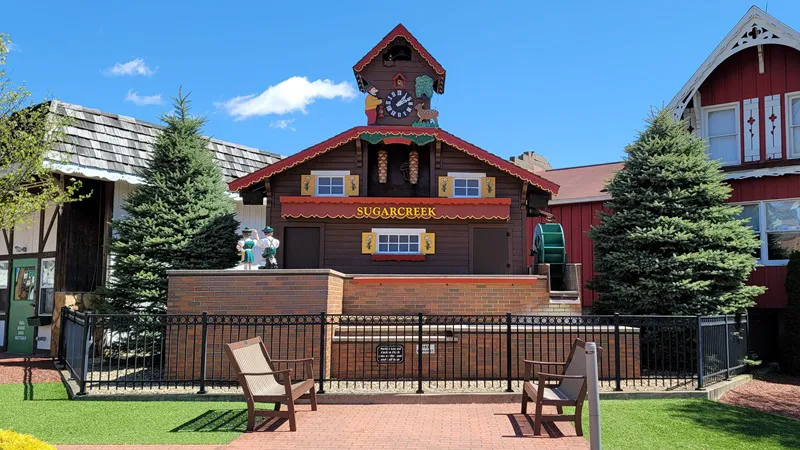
[745, 100]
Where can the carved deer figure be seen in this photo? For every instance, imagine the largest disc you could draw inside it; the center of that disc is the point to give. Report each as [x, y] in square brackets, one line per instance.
[426, 115]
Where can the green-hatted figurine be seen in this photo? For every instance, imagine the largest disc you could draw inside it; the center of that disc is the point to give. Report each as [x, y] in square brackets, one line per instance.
[246, 245]
[270, 245]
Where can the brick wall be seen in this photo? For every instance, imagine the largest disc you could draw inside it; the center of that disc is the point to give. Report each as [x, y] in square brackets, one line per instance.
[293, 292]
[373, 295]
[476, 352]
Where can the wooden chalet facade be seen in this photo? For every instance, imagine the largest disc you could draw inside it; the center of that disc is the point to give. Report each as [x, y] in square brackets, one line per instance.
[65, 250]
[745, 100]
[399, 195]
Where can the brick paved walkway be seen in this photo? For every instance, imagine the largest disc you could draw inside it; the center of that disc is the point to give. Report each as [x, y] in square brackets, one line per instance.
[462, 427]
[15, 369]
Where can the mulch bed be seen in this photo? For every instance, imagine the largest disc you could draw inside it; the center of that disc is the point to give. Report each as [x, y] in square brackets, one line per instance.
[17, 370]
[775, 393]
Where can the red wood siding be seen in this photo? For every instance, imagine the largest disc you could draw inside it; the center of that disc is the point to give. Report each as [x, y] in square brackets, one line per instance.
[578, 217]
[765, 188]
[737, 79]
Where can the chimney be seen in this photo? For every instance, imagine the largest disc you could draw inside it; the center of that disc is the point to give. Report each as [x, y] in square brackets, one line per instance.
[532, 162]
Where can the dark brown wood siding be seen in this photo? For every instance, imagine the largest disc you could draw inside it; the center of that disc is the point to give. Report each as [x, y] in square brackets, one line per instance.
[381, 74]
[342, 237]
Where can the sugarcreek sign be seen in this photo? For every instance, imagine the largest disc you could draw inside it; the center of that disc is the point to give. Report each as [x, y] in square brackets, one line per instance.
[394, 208]
[396, 212]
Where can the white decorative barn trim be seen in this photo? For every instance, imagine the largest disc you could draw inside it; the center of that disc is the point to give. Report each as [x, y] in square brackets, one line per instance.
[752, 144]
[754, 29]
[773, 129]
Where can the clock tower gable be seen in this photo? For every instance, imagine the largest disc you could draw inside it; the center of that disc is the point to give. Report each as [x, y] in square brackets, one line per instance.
[399, 78]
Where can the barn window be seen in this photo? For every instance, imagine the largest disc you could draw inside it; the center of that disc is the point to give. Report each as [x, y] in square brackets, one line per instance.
[722, 132]
[777, 225]
[398, 52]
[793, 149]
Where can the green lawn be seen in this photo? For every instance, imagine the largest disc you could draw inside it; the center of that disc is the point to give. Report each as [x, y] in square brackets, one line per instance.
[691, 424]
[44, 411]
[49, 416]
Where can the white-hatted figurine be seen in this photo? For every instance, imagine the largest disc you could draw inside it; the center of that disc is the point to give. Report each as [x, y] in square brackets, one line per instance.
[270, 244]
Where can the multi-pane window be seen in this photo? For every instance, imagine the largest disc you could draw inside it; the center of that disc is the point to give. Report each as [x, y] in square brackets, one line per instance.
[777, 225]
[466, 187]
[330, 185]
[782, 228]
[398, 241]
[722, 132]
[794, 127]
[46, 291]
[752, 214]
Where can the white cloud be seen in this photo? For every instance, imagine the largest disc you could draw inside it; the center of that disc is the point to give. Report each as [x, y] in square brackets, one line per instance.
[290, 95]
[283, 124]
[12, 47]
[142, 100]
[133, 67]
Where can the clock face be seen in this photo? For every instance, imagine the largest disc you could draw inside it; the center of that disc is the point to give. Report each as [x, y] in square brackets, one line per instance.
[399, 103]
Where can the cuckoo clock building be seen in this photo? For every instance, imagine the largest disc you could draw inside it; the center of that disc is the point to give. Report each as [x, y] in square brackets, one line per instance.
[399, 194]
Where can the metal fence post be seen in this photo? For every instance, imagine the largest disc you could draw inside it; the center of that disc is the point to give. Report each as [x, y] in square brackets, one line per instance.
[84, 353]
[508, 352]
[727, 349]
[699, 353]
[617, 367]
[61, 333]
[323, 343]
[203, 354]
[419, 355]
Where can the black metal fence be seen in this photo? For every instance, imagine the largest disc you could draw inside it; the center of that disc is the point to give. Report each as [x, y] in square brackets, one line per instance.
[415, 353]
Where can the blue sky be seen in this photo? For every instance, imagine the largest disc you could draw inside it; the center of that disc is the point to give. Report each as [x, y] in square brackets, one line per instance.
[571, 80]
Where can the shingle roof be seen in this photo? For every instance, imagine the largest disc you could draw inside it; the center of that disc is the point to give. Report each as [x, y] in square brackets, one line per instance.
[585, 183]
[116, 143]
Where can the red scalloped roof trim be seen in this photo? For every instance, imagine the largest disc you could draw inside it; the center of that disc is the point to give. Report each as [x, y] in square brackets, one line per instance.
[398, 257]
[399, 31]
[397, 200]
[354, 133]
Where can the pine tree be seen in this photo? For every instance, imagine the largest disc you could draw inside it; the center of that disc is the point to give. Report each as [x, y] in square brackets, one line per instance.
[181, 217]
[790, 352]
[671, 245]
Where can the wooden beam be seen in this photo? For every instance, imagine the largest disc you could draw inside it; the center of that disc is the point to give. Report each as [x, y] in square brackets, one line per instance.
[438, 154]
[358, 153]
[49, 229]
[364, 181]
[761, 59]
[7, 239]
[268, 192]
[432, 173]
[523, 201]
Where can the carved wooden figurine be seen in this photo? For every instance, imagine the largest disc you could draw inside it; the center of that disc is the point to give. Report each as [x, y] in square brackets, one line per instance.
[427, 115]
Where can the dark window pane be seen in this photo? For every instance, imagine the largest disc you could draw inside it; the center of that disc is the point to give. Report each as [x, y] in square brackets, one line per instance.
[780, 245]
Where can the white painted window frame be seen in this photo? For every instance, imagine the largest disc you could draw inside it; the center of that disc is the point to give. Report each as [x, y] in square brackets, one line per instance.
[330, 174]
[763, 233]
[737, 118]
[791, 153]
[466, 176]
[42, 286]
[397, 232]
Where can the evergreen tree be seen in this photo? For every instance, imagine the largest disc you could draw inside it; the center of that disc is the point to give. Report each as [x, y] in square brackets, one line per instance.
[790, 352]
[181, 217]
[671, 245]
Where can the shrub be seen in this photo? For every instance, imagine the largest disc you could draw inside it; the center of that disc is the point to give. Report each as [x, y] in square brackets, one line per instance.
[10, 440]
[790, 352]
